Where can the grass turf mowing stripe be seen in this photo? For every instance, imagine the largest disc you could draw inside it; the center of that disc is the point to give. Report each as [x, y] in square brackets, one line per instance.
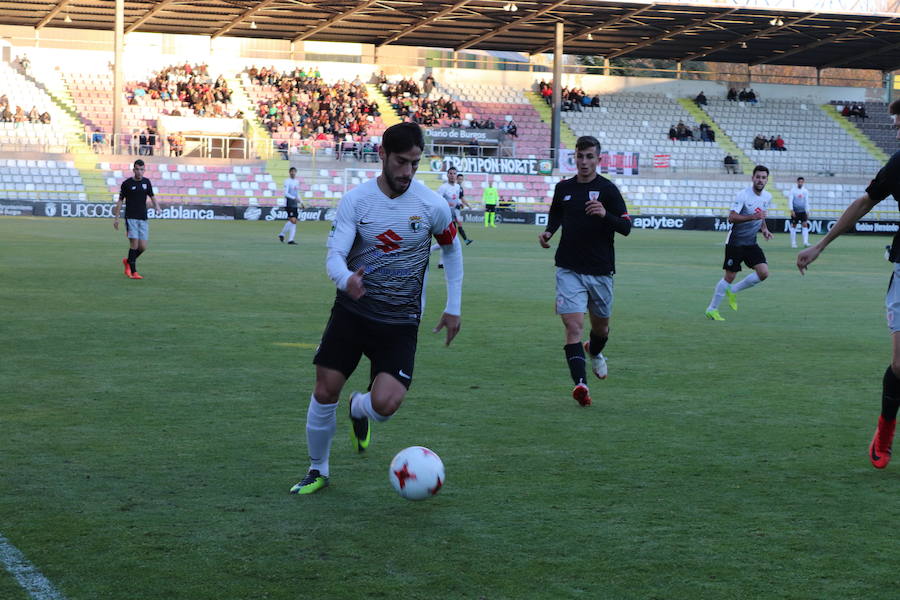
[28, 576]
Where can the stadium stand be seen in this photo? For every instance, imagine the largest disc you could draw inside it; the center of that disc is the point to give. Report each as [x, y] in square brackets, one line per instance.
[815, 142]
[481, 101]
[26, 136]
[640, 123]
[877, 126]
[180, 182]
[40, 180]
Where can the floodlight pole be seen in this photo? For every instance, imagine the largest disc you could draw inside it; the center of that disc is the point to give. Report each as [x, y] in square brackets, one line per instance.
[557, 91]
[119, 40]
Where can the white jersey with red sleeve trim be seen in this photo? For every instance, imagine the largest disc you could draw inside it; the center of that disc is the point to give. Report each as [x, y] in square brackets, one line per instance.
[450, 192]
[391, 239]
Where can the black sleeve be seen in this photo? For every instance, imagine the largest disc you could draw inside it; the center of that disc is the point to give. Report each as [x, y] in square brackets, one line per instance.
[150, 189]
[554, 219]
[885, 181]
[122, 190]
[617, 212]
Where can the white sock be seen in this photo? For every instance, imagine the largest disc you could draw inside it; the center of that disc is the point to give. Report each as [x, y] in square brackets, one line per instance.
[362, 407]
[321, 423]
[284, 229]
[747, 282]
[793, 231]
[718, 295]
[292, 231]
[806, 235]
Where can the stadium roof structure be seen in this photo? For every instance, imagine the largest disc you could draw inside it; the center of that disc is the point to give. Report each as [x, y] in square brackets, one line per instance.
[682, 32]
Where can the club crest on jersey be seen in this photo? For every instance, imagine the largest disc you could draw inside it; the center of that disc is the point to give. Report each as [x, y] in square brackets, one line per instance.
[567, 197]
[415, 223]
[594, 194]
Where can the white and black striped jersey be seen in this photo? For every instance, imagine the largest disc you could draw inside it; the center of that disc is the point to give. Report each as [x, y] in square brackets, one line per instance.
[391, 239]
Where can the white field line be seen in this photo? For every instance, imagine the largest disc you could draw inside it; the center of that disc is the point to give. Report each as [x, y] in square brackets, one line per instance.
[28, 576]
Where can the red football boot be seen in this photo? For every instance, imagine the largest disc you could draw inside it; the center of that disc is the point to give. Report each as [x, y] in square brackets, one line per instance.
[127, 267]
[880, 448]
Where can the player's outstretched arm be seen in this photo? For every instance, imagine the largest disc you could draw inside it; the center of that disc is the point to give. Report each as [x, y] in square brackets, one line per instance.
[857, 210]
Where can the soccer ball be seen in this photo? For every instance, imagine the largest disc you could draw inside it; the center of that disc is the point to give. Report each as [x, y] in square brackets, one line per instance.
[417, 473]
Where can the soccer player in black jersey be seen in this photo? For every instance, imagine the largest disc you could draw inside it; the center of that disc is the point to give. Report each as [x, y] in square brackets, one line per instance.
[591, 211]
[886, 183]
[135, 191]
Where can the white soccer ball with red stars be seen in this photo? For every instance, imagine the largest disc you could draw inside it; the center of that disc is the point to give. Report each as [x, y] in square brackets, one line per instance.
[417, 473]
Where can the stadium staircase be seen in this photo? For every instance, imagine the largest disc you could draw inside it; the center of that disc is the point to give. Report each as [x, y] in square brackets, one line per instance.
[729, 146]
[388, 114]
[567, 137]
[73, 127]
[855, 133]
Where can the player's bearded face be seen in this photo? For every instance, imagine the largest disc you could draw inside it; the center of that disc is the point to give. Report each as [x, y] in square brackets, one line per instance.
[760, 178]
[400, 168]
[896, 122]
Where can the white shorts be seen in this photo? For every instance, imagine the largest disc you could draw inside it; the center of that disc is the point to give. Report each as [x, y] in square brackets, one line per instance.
[138, 229]
[892, 300]
[577, 293]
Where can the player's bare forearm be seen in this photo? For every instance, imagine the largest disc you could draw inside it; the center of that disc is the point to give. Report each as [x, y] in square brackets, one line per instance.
[853, 213]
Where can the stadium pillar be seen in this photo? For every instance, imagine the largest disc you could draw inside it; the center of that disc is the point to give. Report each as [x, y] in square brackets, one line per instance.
[818, 76]
[557, 92]
[606, 66]
[678, 67]
[119, 40]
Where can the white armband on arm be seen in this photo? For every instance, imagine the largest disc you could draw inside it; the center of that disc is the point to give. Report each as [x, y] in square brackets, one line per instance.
[453, 273]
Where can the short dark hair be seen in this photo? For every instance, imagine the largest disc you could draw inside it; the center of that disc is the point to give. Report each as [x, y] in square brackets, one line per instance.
[760, 168]
[894, 108]
[294, 169]
[139, 163]
[451, 169]
[402, 137]
[586, 141]
[801, 178]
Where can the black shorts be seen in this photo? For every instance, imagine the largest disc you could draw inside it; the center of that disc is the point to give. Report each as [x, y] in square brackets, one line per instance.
[799, 217]
[490, 208]
[390, 348]
[749, 255]
[292, 211]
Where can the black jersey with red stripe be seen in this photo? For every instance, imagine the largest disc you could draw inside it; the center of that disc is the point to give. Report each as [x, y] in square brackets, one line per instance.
[586, 245]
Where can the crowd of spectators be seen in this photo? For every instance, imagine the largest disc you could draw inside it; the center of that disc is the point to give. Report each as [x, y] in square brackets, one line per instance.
[415, 104]
[7, 115]
[571, 99]
[854, 110]
[682, 132]
[744, 95]
[192, 86]
[761, 142]
[312, 109]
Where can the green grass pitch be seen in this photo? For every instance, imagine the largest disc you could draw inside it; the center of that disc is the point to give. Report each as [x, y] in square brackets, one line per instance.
[150, 430]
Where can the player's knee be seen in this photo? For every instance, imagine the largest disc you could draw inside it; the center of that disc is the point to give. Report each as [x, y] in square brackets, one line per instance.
[326, 394]
[763, 274]
[386, 404]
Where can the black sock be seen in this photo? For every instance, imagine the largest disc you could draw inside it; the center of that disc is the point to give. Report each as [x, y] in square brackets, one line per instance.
[132, 258]
[462, 233]
[597, 343]
[890, 395]
[575, 358]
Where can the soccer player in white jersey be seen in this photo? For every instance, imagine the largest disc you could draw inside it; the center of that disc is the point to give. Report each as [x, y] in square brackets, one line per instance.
[377, 256]
[886, 183]
[292, 204]
[451, 192]
[748, 216]
[799, 199]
